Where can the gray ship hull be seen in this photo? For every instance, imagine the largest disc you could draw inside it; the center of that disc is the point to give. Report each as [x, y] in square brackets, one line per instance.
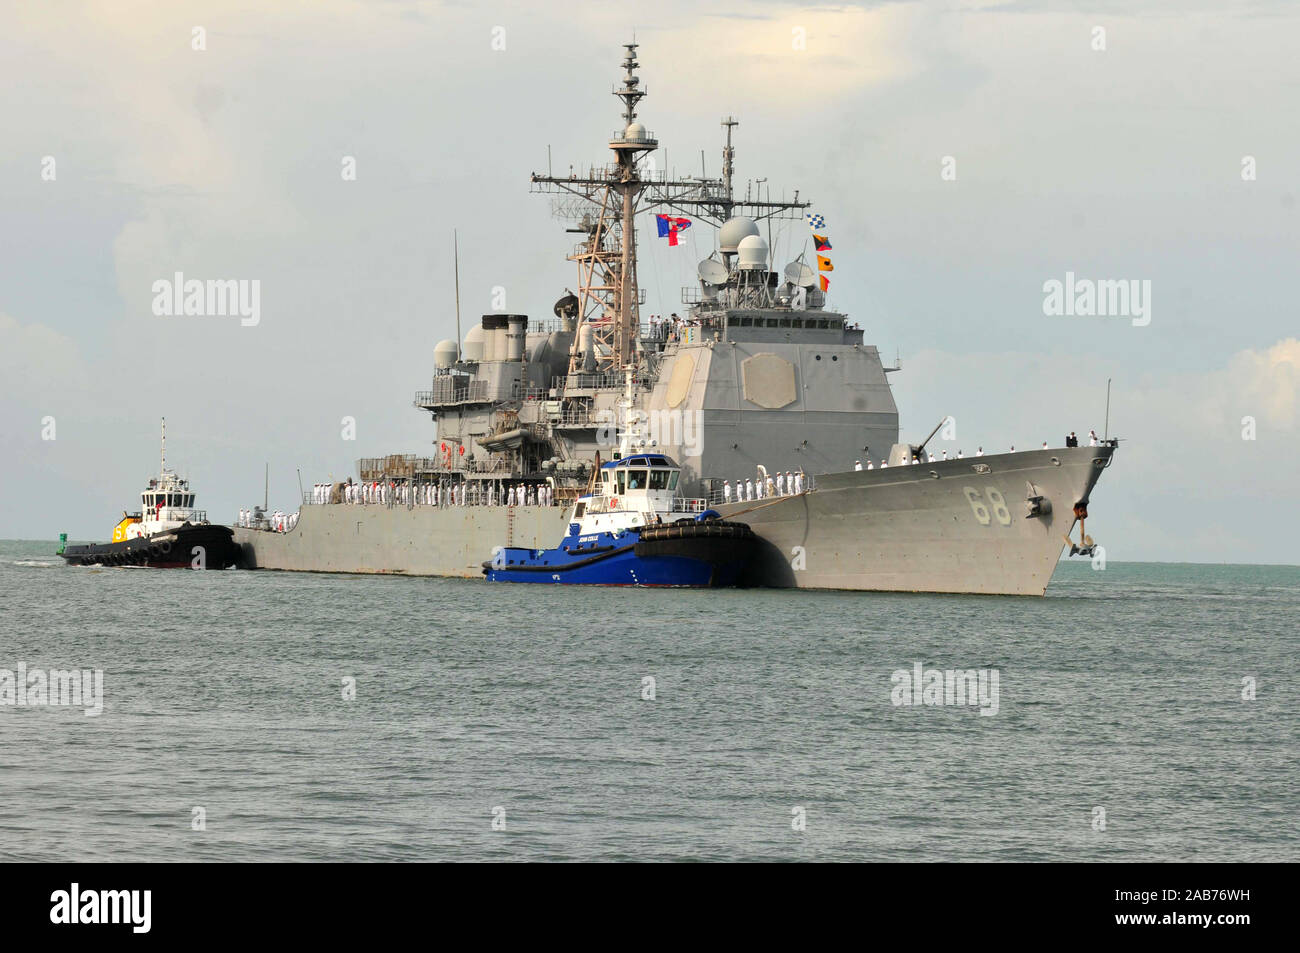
[959, 526]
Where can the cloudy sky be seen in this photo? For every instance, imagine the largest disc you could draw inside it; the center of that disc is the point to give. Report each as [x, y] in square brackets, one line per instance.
[1158, 146]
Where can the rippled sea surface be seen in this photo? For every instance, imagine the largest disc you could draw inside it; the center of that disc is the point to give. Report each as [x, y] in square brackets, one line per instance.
[1121, 690]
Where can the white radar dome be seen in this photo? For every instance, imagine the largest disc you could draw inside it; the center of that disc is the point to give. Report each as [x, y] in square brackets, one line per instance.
[474, 343]
[444, 354]
[635, 132]
[752, 253]
[734, 231]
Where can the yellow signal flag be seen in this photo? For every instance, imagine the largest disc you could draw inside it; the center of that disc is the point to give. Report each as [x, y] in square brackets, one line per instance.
[824, 263]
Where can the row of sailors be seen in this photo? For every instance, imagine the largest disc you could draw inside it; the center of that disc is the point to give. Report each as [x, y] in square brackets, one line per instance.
[439, 494]
[783, 484]
[279, 521]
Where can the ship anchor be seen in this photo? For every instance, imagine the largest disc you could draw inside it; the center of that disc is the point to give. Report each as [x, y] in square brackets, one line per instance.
[1085, 546]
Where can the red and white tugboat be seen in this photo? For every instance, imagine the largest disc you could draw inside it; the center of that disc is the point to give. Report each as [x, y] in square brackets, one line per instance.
[167, 533]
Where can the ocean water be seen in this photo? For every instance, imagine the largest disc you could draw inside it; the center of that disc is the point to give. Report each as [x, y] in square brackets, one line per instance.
[772, 734]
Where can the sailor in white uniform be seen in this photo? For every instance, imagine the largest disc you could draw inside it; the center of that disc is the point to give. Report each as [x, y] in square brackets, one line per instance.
[857, 464]
[749, 489]
[726, 491]
[780, 483]
[770, 487]
[958, 454]
[1044, 444]
[945, 453]
[798, 482]
[1092, 438]
[979, 452]
[870, 465]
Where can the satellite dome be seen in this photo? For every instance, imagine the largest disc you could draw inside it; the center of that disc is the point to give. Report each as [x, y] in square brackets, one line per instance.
[474, 343]
[444, 354]
[734, 231]
[752, 252]
[635, 132]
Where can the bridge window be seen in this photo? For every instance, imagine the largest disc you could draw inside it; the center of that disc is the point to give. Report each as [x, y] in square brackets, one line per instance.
[636, 479]
[579, 510]
[659, 479]
[672, 480]
[622, 482]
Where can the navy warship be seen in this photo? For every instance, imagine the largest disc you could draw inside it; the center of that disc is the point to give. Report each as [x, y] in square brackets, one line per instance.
[760, 382]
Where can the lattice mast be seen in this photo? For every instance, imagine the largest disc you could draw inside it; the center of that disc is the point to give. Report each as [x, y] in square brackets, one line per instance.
[608, 199]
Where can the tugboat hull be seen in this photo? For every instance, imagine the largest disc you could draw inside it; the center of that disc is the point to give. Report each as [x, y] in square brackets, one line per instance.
[179, 548]
[688, 554]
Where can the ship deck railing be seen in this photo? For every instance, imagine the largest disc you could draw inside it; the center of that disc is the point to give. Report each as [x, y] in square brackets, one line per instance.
[601, 504]
[452, 390]
[182, 515]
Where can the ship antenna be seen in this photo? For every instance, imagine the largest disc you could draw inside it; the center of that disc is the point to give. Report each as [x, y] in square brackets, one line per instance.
[164, 449]
[455, 244]
[728, 160]
[1106, 429]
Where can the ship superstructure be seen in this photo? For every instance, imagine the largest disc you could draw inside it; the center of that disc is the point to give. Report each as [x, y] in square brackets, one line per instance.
[758, 372]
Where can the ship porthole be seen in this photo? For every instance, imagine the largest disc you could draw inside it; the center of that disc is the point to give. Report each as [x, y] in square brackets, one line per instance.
[1056, 461]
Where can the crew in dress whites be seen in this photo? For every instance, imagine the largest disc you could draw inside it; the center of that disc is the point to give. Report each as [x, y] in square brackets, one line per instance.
[884, 464]
[798, 482]
[1013, 448]
[857, 464]
[1092, 438]
[870, 465]
[770, 487]
[945, 453]
[958, 454]
[979, 452]
[749, 489]
[1044, 444]
[780, 483]
[726, 491]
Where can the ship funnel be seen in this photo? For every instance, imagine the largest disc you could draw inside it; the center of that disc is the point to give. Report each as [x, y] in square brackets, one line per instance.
[494, 337]
[516, 330]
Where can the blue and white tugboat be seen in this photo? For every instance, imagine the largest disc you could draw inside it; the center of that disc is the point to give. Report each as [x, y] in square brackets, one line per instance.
[633, 529]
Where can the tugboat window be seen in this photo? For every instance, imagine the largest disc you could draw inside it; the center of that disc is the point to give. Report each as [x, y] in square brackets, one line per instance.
[659, 479]
[672, 480]
[636, 479]
[622, 482]
[579, 510]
